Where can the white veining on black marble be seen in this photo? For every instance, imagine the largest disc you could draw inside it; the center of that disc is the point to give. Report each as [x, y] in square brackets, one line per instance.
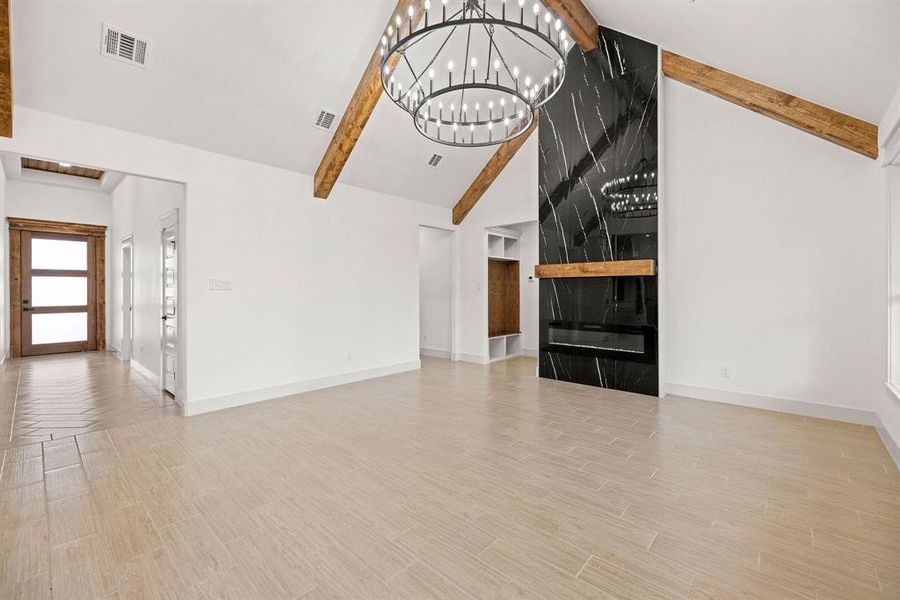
[599, 129]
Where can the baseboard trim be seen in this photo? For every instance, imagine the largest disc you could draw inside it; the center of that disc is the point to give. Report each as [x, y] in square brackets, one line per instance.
[142, 370]
[532, 352]
[434, 352]
[205, 405]
[785, 405]
[889, 444]
[472, 358]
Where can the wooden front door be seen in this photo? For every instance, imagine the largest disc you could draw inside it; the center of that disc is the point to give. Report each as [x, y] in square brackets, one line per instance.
[56, 287]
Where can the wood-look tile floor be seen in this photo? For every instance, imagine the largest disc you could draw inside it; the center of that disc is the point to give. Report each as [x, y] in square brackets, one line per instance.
[48, 397]
[457, 481]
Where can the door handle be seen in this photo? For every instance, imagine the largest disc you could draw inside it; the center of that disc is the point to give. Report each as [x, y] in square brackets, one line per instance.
[27, 309]
[165, 317]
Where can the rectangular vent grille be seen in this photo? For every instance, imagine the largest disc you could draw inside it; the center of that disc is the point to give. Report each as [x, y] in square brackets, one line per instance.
[325, 120]
[435, 160]
[123, 46]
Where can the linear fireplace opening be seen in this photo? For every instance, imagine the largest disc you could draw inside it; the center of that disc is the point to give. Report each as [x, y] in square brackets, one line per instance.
[634, 343]
[594, 336]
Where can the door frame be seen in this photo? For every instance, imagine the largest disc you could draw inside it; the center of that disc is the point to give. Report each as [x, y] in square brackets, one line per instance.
[96, 235]
[126, 350]
[168, 220]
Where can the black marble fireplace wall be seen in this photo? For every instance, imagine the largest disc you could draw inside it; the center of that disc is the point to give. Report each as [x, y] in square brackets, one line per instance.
[598, 198]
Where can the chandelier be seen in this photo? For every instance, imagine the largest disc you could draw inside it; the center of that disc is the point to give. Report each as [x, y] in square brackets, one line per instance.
[473, 72]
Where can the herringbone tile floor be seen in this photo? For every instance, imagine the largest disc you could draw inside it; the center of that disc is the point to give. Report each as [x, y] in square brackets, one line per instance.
[49, 397]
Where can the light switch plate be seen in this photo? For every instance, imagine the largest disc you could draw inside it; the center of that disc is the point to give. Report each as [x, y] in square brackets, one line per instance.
[220, 284]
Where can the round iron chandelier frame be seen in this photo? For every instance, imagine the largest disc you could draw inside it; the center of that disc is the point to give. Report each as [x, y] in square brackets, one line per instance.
[519, 96]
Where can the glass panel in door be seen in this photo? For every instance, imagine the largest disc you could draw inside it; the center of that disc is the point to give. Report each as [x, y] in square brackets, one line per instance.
[57, 272]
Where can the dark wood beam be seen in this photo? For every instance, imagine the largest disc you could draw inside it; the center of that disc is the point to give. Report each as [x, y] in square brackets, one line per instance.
[363, 102]
[580, 23]
[843, 130]
[6, 91]
[490, 172]
[610, 268]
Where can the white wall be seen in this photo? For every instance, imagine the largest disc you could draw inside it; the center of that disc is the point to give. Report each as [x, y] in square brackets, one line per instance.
[435, 291]
[137, 203]
[324, 292]
[4, 293]
[775, 262]
[512, 198]
[28, 200]
[528, 288]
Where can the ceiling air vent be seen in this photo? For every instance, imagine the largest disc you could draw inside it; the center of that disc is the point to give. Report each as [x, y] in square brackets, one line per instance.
[123, 46]
[435, 160]
[324, 120]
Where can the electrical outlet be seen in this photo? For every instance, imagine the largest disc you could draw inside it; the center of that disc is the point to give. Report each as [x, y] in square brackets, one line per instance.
[220, 284]
[724, 372]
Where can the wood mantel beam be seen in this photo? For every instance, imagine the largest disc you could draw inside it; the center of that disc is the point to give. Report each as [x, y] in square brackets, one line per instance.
[610, 268]
[580, 23]
[490, 172]
[838, 128]
[363, 102]
[6, 90]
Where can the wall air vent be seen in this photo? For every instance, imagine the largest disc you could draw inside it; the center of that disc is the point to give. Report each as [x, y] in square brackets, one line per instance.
[435, 160]
[324, 120]
[124, 46]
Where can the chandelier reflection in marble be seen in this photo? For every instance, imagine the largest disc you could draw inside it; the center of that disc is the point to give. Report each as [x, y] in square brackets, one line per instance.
[473, 72]
[634, 195]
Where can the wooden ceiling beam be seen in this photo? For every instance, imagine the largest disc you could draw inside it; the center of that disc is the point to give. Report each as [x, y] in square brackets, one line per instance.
[490, 172]
[363, 102]
[579, 22]
[6, 91]
[838, 128]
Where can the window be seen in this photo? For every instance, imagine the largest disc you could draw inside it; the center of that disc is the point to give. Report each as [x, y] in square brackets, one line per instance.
[893, 193]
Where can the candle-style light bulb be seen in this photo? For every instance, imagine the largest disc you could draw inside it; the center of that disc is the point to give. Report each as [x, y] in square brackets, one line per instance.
[410, 11]
[558, 24]
[527, 81]
[397, 20]
[515, 71]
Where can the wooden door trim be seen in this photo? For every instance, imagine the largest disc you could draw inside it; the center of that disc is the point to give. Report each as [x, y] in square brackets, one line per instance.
[62, 227]
[20, 229]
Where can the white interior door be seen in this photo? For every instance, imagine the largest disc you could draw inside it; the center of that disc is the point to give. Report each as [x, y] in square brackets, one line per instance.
[127, 298]
[169, 239]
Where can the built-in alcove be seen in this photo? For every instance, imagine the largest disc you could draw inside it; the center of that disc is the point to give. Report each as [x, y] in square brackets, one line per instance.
[504, 327]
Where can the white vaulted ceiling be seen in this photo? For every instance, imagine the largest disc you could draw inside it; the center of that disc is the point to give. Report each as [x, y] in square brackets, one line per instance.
[245, 78]
[843, 54]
